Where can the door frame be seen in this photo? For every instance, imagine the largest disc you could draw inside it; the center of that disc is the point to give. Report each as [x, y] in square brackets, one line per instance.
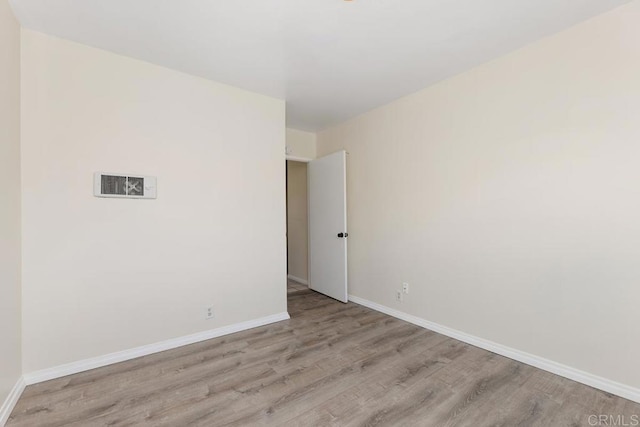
[301, 160]
[305, 160]
[298, 159]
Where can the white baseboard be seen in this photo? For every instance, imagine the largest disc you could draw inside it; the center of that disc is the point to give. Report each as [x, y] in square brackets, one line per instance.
[591, 380]
[121, 356]
[11, 400]
[297, 279]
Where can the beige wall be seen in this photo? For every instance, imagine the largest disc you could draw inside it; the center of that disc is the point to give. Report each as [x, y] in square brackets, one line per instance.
[297, 227]
[509, 198]
[301, 144]
[10, 368]
[103, 275]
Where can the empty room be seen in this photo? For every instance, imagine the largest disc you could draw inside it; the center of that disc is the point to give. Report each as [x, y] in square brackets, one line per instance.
[319, 213]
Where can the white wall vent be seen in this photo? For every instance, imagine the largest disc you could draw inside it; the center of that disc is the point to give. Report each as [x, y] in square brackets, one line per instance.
[127, 186]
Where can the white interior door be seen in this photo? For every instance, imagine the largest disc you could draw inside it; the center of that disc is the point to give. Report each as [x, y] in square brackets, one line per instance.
[328, 225]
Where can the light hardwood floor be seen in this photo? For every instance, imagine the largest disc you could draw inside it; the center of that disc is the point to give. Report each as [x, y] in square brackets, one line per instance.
[331, 364]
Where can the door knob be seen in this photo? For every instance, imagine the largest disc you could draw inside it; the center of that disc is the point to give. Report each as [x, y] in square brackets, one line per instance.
[343, 235]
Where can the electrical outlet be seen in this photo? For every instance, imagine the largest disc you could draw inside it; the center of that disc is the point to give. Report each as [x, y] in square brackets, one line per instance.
[208, 314]
[399, 296]
[405, 288]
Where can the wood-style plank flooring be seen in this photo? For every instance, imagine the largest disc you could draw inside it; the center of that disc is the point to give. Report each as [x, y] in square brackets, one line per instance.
[331, 364]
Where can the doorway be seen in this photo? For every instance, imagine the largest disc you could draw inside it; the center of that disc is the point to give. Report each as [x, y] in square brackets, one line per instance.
[297, 226]
[316, 207]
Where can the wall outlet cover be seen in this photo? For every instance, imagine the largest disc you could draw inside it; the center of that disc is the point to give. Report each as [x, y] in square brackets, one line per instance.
[399, 296]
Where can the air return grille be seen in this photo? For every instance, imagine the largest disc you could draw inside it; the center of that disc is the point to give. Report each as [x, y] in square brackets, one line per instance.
[126, 186]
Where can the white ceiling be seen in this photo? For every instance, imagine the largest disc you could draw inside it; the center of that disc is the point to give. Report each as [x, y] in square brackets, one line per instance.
[330, 59]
